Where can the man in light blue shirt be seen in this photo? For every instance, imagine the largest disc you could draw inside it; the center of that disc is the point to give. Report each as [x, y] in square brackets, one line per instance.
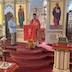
[12, 29]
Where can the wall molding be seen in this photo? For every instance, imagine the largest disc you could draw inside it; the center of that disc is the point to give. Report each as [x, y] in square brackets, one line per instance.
[8, 8]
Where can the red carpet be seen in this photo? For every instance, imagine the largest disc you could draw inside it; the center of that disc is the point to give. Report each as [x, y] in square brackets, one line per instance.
[37, 60]
[46, 69]
[31, 59]
[21, 44]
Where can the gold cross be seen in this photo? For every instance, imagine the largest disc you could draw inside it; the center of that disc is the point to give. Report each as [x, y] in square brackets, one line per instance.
[29, 31]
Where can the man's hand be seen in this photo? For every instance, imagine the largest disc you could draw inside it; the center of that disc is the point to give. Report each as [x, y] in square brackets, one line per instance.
[12, 26]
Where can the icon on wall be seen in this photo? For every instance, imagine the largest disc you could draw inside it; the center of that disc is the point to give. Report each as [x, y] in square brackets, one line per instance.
[56, 14]
[21, 17]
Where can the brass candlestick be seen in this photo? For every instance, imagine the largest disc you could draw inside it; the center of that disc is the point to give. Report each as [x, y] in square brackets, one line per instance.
[5, 64]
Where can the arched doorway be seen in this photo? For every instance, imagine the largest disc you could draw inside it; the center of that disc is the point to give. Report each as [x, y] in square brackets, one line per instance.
[7, 18]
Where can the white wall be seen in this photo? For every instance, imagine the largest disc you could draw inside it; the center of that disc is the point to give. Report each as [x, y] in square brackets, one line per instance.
[36, 3]
[51, 34]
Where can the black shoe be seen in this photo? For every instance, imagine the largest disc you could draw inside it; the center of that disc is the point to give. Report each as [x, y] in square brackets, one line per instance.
[35, 46]
[15, 44]
[40, 42]
[12, 45]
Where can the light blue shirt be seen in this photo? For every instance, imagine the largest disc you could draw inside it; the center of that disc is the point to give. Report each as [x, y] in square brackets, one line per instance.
[12, 23]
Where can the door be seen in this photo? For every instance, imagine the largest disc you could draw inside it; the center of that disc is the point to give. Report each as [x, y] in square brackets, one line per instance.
[7, 18]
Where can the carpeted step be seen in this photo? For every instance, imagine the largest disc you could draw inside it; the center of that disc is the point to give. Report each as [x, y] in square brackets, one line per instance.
[26, 58]
[8, 59]
[19, 45]
[70, 65]
[71, 56]
[50, 54]
[34, 61]
[29, 56]
[32, 64]
[43, 69]
[37, 60]
[30, 51]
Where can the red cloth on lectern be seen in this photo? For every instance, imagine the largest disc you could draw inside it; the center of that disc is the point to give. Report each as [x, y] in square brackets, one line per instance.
[29, 32]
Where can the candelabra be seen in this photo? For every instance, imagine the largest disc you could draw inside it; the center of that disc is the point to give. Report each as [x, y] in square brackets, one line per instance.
[3, 45]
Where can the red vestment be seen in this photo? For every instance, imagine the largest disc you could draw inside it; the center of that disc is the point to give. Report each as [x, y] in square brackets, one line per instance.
[36, 23]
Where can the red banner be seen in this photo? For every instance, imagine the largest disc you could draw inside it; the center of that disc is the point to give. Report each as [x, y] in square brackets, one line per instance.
[29, 32]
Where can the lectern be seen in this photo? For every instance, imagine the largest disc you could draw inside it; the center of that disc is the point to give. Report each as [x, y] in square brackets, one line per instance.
[30, 35]
[61, 56]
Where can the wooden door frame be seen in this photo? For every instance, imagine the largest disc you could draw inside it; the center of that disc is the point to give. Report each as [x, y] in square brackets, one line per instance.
[6, 26]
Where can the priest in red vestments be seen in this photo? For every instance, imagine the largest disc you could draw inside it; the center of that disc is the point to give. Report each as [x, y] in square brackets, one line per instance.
[36, 23]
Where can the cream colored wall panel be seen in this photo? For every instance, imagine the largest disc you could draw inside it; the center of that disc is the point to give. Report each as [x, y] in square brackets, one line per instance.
[20, 35]
[21, 40]
[21, 1]
[1, 0]
[50, 33]
[51, 37]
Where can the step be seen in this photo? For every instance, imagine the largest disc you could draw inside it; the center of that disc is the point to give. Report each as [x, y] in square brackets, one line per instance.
[33, 64]
[70, 59]
[29, 56]
[50, 54]
[71, 56]
[8, 46]
[43, 69]
[35, 60]
[30, 51]
[8, 59]
[70, 63]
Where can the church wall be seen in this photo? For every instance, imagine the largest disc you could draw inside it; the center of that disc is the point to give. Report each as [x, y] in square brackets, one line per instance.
[49, 32]
[39, 11]
[53, 4]
[0, 28]
[20, 31]
[52, 33]
[14, 4]
[20, 35]
[36, 6]
[52, 36]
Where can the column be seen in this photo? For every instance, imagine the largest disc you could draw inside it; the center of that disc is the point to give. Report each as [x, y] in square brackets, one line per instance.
[47, 22]
[3, 18]
[47, 17]
[28, 11]
[15, 10]
[65, 13]
[44, 14]
[61, 60]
